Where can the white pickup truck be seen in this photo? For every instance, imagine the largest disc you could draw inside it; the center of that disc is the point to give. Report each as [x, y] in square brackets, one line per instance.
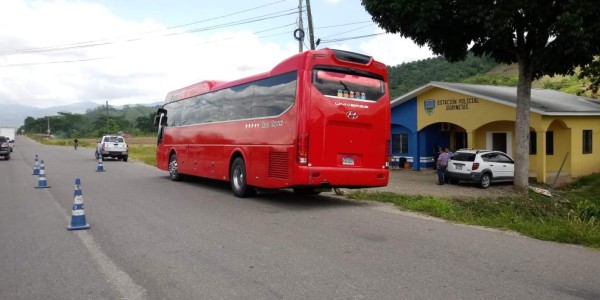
[112, 146]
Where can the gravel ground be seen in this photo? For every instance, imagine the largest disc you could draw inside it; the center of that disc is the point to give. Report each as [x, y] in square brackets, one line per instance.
[424, 182]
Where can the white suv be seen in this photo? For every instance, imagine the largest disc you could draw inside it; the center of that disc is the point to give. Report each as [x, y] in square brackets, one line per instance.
[112, 146]
[480, 166]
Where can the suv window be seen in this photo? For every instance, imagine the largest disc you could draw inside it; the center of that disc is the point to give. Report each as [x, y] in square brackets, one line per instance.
[3, 139]
[113, 139]
[504, 159]
[463, 156]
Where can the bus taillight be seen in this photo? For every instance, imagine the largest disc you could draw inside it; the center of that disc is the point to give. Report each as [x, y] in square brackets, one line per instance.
[302, 148]
[387, 154]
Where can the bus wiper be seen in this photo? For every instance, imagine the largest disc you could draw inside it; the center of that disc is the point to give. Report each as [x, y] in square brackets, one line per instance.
[344, 85]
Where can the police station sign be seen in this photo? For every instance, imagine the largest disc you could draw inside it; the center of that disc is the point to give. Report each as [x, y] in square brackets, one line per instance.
[448, 104]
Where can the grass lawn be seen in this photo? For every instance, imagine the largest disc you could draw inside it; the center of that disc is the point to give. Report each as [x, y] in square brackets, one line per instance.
[570, 216]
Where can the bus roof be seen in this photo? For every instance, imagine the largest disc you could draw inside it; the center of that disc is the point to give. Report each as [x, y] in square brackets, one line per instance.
[294, 62]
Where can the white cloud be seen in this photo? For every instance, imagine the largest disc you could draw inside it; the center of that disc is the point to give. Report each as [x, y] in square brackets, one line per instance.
[392, 49]
[120, 71]
[126, 67]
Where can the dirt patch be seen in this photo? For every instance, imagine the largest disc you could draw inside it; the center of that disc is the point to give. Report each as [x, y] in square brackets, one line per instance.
[424, 182]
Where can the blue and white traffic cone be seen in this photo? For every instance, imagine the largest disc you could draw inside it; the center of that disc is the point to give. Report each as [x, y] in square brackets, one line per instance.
[100, 167]
[42, 182]
[36, 166]
[78, 221]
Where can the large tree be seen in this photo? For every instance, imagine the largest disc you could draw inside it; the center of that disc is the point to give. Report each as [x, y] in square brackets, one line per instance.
[544, 37]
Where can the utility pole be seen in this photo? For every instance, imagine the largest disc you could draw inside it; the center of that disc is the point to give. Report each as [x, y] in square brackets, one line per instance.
[107, 126]
[300, 29]
[310, 26]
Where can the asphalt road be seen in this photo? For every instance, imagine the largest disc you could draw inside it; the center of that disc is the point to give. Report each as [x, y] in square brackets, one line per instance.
[151, 238]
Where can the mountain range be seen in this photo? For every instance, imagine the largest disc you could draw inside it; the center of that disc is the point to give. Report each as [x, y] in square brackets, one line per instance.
[13, 115]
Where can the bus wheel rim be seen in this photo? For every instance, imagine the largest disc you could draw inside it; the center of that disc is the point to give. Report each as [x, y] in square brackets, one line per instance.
[238, 178]
[173, 168]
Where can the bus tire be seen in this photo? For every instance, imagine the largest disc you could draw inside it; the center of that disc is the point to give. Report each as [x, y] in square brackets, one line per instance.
[238, 182]
[173, 168]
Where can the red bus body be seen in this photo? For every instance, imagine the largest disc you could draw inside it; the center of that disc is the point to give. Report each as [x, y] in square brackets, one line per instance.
[323, 139]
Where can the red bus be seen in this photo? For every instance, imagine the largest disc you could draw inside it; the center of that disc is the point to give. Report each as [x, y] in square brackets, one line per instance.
[319, 119]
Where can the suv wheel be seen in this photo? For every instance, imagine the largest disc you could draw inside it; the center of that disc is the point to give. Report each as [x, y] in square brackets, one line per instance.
[125, 158]
[485, 180]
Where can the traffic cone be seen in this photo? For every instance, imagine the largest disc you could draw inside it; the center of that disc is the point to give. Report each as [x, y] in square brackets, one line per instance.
[36, 166]
[100, 167]
[78, 221]
[42, 183]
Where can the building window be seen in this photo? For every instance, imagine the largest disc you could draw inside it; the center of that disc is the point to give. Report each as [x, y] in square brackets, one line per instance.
[587, 141]
[400, 143]
[532, 143]
[549, 142]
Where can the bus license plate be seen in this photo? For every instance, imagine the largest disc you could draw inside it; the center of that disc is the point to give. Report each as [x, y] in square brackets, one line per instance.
[348, 161]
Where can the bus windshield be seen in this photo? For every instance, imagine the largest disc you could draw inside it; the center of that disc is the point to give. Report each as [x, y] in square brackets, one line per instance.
[348, 85]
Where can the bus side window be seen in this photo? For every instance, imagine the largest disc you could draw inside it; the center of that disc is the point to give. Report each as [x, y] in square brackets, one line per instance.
[273, 96]
[210, 107]
[237, 104]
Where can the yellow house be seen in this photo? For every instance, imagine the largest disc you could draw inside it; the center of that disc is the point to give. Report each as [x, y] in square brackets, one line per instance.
[564, 128]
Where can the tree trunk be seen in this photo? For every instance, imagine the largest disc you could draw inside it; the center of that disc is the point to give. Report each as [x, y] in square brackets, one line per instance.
[521, 182]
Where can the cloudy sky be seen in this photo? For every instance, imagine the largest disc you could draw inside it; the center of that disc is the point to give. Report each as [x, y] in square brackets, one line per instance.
[55, 52]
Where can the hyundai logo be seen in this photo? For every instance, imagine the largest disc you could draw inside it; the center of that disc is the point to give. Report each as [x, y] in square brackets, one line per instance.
[352, 115]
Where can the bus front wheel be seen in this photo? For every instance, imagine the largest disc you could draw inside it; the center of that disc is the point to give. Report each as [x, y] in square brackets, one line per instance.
[238, 179]
[173, 169]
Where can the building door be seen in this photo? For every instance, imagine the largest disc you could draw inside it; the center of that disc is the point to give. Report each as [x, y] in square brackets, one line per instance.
[499, 141]
[460, 140]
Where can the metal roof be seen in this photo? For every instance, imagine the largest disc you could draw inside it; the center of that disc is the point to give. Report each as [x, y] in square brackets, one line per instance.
[544, 102]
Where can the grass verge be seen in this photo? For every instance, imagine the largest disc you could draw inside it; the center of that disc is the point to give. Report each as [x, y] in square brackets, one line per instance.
[140, 148]
[571, 216]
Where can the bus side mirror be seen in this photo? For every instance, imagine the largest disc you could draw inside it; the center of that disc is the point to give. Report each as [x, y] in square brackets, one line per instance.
[160, 117]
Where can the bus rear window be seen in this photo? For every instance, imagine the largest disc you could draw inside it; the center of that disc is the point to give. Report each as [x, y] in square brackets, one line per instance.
[345, 85]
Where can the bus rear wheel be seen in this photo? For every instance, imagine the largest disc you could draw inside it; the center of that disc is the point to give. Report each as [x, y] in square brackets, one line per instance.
[238, 179]
[173, 168]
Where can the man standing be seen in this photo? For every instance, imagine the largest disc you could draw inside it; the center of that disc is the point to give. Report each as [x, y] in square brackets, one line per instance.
[441, 164]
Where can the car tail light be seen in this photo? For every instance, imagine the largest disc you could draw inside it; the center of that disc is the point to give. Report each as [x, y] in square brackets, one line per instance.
[302, 149]
[475, 166]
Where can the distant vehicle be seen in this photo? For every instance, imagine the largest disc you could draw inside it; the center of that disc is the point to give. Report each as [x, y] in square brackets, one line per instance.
[319, 119]
[112, 146]
[11, 143]
[5, 147]
[9, 133]
[480, 166]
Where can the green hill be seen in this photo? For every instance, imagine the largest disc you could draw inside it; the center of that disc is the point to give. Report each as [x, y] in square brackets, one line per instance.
[475, 70]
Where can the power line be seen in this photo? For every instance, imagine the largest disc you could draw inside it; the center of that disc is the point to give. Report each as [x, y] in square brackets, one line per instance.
[103, 42]
[210, 42]
[350, 38]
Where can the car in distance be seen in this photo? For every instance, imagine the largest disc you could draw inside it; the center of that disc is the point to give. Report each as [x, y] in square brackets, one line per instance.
[112, 146]
[5, 148]
[480, 166]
